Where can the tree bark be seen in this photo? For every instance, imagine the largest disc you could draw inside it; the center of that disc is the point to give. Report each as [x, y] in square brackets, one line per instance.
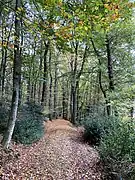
[73, 86]
[45, 73]
[20, 78]
[64, 99]
[33, 80]
[110, 67]
[75, 82]
[29, 79]
[50, 88]
[40, 71]
[55, 90]
[108, 108]
[2, 61]
[16, 75]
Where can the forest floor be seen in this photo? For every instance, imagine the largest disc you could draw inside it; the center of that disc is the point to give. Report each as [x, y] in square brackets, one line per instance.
[59, 155]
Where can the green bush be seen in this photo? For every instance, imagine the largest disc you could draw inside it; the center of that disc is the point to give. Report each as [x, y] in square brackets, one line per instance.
[116, 145]
[117, 150]
[28, 131]
[29, 125]
[4, 115]
[92, 132]
[96, 127]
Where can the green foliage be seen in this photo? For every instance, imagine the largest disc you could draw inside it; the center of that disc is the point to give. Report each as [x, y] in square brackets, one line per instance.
[117, 150]
[92, 132]
[29, 126]
[28, 131]
[4, 114]
[116, 144]
[96, 127]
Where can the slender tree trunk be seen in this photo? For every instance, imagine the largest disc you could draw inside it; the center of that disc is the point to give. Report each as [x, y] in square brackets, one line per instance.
[110, 66]
[28, 88]
[78, 80]
[71, 102]
[40, 71]
[45, 74]
[108, 107]
[20, 78]
[73, 86]
[50, 88]
[68, 102]
[55, 90]
[110, 71]
[16, 75]
[64, 99]
[75, 82]
[77, 104]
[29, 80]
[91, 85]
[33, 73]
[32, 91]
[2, 61]
[35, 89]
[74, 100]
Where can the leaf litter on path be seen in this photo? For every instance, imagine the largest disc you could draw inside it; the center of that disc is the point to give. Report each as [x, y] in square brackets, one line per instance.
[59, 155]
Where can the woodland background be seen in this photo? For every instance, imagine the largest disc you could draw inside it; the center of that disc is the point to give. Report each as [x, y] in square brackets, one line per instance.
[69, 59]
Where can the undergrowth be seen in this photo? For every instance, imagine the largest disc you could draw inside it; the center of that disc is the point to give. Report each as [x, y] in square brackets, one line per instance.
[115, 141]
[117, 150]
[4, 115]
[29, 126]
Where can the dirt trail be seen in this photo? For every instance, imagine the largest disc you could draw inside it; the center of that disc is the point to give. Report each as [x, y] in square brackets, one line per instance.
[59, 155]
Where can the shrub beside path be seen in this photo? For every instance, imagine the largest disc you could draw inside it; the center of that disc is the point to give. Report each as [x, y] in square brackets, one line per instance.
[59, 155]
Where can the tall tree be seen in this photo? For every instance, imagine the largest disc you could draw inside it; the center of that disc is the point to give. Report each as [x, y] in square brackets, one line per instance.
[16, 80]
[43, 99]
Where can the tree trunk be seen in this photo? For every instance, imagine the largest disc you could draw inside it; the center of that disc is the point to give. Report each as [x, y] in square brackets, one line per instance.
[2, 61]
[28, 89]
[40, 71]
[110, 67]
[108, 108]
[20, 78]
[110, 70]
[55, 90]
[35, 89]
[45, 73]
[73, 86]
[74, 100]
[29, 80]
[75, 82]
[50, 88]
[64, 99]
[77, 104]
[33, 73]
[16, 75]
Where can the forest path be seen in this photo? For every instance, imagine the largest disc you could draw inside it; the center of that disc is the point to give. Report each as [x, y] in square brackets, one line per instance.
[59, 155]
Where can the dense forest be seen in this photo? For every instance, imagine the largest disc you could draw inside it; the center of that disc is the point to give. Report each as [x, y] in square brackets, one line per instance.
[72, 60]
